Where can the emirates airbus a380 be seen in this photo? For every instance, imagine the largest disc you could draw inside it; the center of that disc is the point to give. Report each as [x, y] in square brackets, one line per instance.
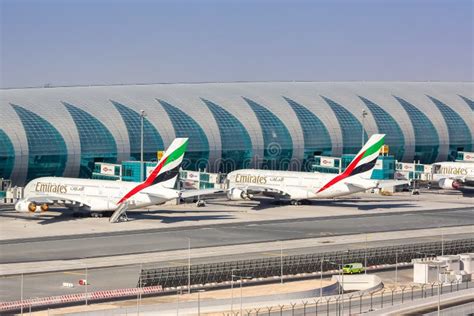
[247, 184]
[116, 197]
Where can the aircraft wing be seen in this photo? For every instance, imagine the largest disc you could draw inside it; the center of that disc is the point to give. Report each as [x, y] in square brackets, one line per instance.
[380, 184]
[252, 190]
[390, 183]
[190, 193]
[50, 199]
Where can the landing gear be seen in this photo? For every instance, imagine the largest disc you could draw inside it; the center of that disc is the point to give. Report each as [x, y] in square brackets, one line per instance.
[96, 214]
[200, 203]
[295, 202]
[123, 218]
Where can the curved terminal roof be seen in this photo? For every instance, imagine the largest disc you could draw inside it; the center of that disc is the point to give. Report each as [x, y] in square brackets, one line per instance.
[280, 124]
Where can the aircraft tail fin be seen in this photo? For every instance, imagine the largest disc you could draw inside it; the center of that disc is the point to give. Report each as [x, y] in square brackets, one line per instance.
[365, 159]
[166, 171]
[363, 163]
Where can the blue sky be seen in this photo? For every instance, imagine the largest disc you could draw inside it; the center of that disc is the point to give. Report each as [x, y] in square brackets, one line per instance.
[72, 42]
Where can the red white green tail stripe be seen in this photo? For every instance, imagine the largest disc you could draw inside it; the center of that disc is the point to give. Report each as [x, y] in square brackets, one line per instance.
[364, 160]
[167, 169]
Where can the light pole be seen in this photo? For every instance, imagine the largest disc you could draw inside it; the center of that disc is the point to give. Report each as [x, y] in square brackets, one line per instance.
[189, 265]
[364, 114]
[87, 282]
[177, 302]
[142, 120]
[232, 292]
[241, 281]
[396, 268]
[442, 241]
[365, 253]
[439, 295]
[281, 262]
[139, 294]
[321, 282]
[199, 302]
[21, 294]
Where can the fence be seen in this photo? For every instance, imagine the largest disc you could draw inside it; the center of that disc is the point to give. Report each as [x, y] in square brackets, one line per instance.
[293, 265]
[356, 302]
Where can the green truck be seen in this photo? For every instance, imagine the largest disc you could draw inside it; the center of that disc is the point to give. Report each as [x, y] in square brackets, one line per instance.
[352, 268]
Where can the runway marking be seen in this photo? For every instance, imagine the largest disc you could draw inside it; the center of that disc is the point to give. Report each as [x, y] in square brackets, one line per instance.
[271, 230]
[177, 263]
[73, 273]
[273, 254]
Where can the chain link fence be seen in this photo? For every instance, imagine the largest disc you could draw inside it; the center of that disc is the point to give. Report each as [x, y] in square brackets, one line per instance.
[292, 265]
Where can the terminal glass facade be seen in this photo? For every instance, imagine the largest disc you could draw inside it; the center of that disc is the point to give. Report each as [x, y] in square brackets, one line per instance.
[152, 141]
[197, 153]
[7, 155]
[47, 151]
[350, 126]
[469, 102]
[316, 137]
[426, 136]
[459, 135]
[387, 125]
[97, 143]
[278, 145]
[236, 144]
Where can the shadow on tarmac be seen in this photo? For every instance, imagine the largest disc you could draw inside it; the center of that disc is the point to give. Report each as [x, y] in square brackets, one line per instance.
[360, 204]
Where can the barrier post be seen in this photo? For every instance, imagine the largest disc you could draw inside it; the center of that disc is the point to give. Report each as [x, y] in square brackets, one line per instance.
[21, 294]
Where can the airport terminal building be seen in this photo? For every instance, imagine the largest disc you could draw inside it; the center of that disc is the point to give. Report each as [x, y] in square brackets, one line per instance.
[62, 131]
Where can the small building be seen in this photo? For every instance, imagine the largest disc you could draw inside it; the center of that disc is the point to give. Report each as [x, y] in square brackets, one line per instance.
[427, 271]
[452, 262]
[467, 262]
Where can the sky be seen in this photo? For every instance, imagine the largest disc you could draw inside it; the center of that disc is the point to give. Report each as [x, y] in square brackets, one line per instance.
[85, 42]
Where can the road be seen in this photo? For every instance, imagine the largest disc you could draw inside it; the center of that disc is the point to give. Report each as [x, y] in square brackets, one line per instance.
[158, 240]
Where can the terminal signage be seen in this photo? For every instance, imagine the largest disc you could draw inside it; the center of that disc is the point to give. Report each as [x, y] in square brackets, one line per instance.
[327, 161]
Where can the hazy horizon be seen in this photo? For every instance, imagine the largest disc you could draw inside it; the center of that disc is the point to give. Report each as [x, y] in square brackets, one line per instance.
[68, 43]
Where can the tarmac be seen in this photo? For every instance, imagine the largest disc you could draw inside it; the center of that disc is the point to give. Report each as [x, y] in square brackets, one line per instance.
[55, 247]
[14, 225]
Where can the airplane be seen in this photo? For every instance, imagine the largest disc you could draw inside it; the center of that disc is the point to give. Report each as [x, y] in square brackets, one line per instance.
[454, 175]
[298, 187]
[104, 197]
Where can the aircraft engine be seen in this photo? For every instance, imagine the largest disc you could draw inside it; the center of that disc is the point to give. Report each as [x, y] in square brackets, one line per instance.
[449, 184]
[235, 194]
[25, 206]
[44, 207]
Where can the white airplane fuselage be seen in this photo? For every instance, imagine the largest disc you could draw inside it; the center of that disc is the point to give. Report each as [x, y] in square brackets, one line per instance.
[297, 185]
[453, 175]
[92, 194]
